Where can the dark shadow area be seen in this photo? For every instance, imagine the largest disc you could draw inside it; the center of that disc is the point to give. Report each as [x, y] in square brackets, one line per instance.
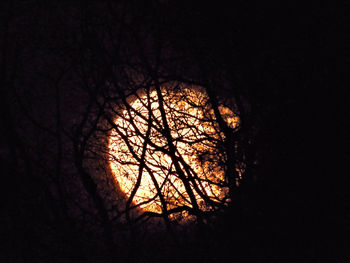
[62, 77]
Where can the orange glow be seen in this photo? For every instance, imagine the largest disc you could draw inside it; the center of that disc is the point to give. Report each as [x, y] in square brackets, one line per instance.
[196, 136]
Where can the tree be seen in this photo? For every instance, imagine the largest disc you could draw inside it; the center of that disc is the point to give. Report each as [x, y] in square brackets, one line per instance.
[171, 128]
[108, 77]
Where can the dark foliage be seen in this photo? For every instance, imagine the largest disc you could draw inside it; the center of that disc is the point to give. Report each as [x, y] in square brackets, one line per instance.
[58, 65]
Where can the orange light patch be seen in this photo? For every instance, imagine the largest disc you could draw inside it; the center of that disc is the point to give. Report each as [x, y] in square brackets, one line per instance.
[195, 134]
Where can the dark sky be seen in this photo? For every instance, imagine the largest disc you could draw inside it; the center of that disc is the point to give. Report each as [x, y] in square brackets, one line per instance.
[277, 57]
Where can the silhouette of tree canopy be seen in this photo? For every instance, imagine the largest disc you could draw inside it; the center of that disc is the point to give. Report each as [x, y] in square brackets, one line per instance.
[102, 93]
[183, 138]
[120, 121]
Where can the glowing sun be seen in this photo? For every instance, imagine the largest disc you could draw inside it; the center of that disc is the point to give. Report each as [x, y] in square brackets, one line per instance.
[165, 152]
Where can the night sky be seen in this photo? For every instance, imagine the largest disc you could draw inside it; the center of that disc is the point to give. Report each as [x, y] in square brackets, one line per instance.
[292, 207]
